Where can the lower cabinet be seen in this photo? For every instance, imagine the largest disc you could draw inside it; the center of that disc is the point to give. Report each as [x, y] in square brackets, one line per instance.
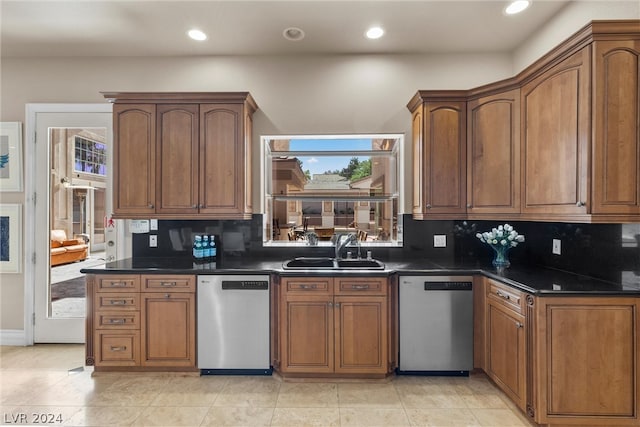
[564, 360]
[335, 326]
[586, 361]
[141, 322]
[505, 341]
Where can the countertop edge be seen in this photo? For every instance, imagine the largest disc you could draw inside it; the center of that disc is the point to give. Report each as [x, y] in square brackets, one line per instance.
[389, 270]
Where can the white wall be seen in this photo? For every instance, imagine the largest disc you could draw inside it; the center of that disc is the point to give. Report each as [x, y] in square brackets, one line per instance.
[296, 94]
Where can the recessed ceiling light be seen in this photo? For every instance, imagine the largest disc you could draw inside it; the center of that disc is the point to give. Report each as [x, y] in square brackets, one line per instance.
[374, 33]
[197, 35]
[293, 34]
[516, 6]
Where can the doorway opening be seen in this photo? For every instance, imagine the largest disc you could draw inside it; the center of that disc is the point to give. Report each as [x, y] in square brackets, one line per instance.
[78, 181]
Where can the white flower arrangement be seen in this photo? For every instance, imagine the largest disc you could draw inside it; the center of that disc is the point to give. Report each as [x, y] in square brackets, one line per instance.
[502, 237]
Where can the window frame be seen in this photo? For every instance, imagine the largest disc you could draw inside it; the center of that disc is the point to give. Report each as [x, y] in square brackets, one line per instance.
[266, 184]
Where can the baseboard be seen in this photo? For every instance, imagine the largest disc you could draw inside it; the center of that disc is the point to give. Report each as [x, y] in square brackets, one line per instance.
[12, 337]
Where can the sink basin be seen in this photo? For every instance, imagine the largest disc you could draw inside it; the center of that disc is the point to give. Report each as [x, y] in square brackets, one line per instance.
[306, 263]
[366, 264]
[325, 263]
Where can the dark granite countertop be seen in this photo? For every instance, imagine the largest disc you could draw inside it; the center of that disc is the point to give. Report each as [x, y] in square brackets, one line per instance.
[535, 280]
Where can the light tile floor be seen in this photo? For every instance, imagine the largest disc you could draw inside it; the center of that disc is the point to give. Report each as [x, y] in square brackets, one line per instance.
[48, 384]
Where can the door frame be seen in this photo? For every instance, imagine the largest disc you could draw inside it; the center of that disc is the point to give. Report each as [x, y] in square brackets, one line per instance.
[31, 241]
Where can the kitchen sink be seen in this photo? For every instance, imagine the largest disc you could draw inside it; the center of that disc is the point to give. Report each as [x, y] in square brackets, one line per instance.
[305, 263]
[326, 263]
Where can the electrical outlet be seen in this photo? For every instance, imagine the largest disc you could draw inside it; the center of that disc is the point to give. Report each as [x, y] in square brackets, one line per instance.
[557, 247]
[153, 241]
[439, 240]
[153, 224]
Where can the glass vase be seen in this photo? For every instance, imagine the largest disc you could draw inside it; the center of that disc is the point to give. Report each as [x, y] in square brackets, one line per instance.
[500, 258]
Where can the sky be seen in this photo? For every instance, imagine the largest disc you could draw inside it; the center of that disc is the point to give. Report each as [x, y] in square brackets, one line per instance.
[321, 164]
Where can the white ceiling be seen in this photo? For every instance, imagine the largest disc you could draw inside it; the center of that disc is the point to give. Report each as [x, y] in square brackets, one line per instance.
[239, 27]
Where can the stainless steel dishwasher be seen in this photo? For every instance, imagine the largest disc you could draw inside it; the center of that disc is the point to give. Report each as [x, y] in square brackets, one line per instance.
[233, 324]
[436, 325]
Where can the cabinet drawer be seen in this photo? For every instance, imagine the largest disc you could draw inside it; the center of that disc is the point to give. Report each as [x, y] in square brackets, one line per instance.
[117, 283]
[322, 285]
[117, 320]
[124, 302]
[117, 348]
[361, 285]
[177, 283]
[506, 296]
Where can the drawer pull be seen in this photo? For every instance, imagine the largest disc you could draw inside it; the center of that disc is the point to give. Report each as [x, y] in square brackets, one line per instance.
[117, 321]
[359, 286]
[118, 302]
[167, 284]
[519, 325]
[505, 296]
[118, 284]
[121, 348]
[308, 286]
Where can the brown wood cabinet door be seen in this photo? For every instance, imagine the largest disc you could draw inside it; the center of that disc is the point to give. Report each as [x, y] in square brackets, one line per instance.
[134, 160]
[493, 144]
[443, 165]
[419, 171]
[178, 168]
[555, 138]
[307, 334]
[616, 165]
[588, 356]
[361, 335]
[168, 329]
[222, 160]
[505, 343]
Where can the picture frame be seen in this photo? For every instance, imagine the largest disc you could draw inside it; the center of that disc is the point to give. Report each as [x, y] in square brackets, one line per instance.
[10, 156]
[10, 238]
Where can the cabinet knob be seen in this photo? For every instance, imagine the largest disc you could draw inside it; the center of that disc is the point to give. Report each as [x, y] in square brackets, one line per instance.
[519, 325]
[194, 206]
[167, 295]
[151, 206]
[580, 204]
[428, 206]
[330, 304]
[469, 205]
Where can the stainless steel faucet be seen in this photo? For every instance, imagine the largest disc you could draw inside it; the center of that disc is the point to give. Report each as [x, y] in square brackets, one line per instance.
[341, 244]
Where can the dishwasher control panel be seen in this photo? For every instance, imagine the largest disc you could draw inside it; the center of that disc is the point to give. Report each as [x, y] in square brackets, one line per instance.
[250, 285]
[447, 286]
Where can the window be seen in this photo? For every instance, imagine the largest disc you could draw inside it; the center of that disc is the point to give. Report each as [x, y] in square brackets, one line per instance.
[328, 184]
[90, 156]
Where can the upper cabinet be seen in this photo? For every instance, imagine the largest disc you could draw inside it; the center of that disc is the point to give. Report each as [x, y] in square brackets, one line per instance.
[493, 153]
[439, 154]
[555, 138]
[182, 155]
[558, 142]
[134, 164]
[616, 145]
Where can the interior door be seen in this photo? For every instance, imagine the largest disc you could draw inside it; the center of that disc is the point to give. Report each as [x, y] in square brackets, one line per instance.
[54, 323]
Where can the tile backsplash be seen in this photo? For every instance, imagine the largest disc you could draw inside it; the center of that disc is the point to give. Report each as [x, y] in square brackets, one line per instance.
[605, 251]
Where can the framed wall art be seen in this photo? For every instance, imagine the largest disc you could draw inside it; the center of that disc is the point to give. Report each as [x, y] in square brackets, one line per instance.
[10, 238]
[10, 156]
